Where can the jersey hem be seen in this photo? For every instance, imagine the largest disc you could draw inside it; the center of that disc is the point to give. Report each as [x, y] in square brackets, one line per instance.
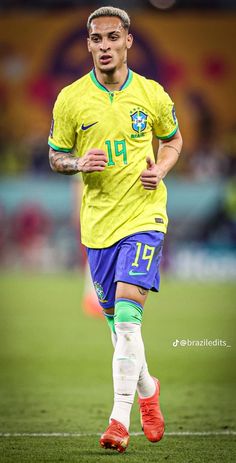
[149, 228]
[57, 148]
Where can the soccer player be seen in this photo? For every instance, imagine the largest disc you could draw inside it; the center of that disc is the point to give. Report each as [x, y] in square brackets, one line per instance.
[102, 126]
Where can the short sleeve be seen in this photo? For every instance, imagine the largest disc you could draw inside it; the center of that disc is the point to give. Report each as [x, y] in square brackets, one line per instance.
[62, 132]
[166, 124]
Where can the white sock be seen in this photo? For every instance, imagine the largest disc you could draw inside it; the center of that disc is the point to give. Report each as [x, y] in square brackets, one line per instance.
[128, 359]
[146, 386]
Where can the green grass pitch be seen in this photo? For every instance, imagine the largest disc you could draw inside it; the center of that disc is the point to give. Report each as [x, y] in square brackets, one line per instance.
[55, 372]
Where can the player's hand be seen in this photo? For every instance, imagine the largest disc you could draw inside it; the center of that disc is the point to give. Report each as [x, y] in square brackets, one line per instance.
[94, 160]
[151, 176]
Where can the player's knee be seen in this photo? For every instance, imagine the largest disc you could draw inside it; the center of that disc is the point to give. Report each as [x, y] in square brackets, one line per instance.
[128, 311]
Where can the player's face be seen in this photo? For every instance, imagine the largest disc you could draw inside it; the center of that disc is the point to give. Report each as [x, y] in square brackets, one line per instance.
[108, 42]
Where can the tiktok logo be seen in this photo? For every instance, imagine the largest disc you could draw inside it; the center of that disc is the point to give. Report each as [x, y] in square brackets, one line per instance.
[175, 343]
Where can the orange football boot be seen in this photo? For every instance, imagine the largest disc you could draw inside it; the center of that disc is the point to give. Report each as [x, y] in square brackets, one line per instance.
[116, 437]
[152, 420]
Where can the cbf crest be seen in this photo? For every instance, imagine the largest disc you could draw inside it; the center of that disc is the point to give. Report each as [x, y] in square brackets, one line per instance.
[139, 120]
[99, 291]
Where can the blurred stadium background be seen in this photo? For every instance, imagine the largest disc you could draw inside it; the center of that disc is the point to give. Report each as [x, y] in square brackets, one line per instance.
[189, 47]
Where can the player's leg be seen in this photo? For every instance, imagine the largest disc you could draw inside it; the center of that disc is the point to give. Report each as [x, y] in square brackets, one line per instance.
[116, 436]
[137, 271]
[146, 385]
[102, 264]
[127, 362]
[129, 351]
[130, 369]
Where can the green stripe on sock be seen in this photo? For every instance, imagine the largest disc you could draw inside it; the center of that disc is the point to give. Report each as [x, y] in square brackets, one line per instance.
[128, 311]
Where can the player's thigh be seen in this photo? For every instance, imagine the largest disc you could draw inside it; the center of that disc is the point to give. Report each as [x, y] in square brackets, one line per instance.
[133, 292]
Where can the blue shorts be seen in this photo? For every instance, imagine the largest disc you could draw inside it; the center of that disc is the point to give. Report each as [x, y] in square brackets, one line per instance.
[134, 259]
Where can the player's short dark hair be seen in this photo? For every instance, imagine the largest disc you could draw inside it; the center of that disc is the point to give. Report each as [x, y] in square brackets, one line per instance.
[110, 11]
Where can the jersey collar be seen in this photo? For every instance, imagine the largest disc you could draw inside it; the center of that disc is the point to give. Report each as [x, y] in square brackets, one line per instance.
[102, 87]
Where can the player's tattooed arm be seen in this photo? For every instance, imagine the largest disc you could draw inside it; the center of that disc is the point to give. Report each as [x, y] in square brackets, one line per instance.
[64, 163]
[94, 160]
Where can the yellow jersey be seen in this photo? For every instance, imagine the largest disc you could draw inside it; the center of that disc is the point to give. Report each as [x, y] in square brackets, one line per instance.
[122, 123]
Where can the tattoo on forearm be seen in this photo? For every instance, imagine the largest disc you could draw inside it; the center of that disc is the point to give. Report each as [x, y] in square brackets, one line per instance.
[142, 291]
[63, 163]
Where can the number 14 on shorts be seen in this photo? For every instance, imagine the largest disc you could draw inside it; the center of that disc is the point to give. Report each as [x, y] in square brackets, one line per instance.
[143, 252]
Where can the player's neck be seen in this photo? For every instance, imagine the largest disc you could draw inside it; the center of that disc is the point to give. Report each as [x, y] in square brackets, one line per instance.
[112, 80]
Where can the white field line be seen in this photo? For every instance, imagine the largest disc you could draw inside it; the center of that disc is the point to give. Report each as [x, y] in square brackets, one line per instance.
[78, 434]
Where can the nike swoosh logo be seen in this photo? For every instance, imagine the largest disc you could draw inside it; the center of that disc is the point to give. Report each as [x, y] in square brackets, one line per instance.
[132, 273]
[85, 127]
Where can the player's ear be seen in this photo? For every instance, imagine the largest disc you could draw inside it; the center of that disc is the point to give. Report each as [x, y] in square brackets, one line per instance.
[129, 41]
[88, 45]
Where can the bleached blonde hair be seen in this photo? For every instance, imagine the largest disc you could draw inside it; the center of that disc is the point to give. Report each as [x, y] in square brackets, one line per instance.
[110, 11]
